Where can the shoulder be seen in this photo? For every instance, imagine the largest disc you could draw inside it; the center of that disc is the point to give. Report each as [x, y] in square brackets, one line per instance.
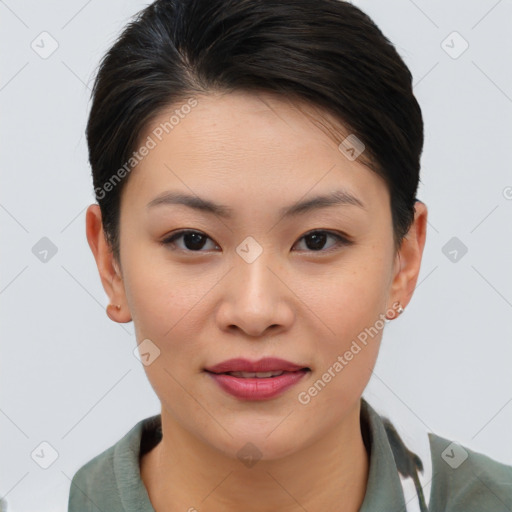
[466, 480]
[94, 483]
[99, 484]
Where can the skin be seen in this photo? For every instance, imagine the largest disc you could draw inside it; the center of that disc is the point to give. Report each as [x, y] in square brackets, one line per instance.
[255, 153]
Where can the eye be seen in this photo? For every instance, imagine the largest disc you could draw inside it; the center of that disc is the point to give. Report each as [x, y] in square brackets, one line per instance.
[194, 241]
[315, 240]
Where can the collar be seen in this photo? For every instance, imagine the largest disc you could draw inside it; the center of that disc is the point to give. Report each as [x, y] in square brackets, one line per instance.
[384, 488]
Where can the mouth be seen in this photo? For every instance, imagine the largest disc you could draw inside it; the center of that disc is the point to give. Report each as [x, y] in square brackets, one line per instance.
[259, 380]
[264, 368]
[259, 375]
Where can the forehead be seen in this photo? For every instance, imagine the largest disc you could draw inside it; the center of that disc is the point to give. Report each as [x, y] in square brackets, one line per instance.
[263, 119]
[247, 143]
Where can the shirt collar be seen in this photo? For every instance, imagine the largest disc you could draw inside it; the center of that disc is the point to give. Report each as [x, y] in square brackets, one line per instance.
[383, 490]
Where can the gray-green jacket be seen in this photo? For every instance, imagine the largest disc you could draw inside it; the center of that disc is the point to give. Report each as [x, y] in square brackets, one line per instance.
[455, 479]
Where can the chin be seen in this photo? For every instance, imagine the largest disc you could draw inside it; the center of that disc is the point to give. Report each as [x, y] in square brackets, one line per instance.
[255, 446]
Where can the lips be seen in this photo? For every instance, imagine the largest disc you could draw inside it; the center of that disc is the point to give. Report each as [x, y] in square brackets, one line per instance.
[265, 365]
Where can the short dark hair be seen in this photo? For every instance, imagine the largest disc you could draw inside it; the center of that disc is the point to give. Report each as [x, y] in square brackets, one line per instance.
[327, 53]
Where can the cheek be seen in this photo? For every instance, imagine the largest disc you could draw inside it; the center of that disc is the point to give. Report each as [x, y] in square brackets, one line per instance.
[168, 308]
[349, 300]
[345, 360]
[350, 307]
[161, 297]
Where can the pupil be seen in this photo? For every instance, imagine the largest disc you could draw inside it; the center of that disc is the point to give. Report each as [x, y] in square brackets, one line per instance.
[196, 238]
[320, 240]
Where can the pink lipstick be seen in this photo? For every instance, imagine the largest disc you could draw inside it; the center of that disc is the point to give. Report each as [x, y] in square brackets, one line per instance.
[258, 380]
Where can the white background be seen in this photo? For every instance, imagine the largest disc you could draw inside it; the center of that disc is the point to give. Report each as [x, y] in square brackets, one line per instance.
[68, 375]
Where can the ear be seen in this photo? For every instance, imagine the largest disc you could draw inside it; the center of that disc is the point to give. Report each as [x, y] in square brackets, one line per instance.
[109, 269]
[408, 258]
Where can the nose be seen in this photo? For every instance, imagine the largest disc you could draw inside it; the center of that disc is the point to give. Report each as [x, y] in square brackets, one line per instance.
[256, 299]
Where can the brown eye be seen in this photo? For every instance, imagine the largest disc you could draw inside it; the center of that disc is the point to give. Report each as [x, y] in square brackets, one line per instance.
[316, 240]
[193, 241]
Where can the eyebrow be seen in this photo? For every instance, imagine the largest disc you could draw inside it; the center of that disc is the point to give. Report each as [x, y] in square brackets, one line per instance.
[335, 198]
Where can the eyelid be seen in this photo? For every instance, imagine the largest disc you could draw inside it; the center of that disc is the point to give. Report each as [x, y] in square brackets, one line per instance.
[169, 240]
[332, 232]
[342, 239]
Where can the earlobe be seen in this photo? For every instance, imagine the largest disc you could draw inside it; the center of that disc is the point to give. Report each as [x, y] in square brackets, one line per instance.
[107, 266]
[410, 255]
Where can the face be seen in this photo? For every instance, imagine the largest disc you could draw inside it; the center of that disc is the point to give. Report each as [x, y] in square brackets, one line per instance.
[312, 286]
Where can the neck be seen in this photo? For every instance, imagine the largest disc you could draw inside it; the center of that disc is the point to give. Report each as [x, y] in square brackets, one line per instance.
[183, 473]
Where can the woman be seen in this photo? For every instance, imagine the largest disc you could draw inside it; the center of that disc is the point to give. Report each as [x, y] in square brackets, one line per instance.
[256, 165]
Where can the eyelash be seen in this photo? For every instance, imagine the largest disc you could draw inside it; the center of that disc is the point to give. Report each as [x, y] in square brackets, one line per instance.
[341, 240]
